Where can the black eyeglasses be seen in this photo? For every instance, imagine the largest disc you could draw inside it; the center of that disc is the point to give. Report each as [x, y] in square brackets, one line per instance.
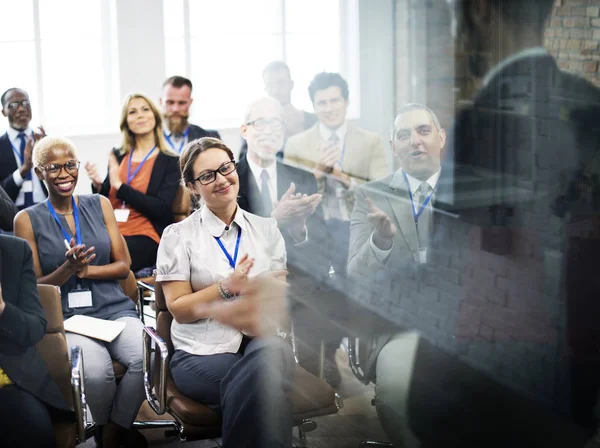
[54, 169]
[14, 105]
[208, 177]
[261, 124]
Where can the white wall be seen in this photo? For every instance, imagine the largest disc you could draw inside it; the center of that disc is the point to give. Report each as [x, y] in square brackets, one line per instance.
[141, 67]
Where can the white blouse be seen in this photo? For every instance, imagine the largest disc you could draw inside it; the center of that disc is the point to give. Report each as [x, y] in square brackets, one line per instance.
[189, 251]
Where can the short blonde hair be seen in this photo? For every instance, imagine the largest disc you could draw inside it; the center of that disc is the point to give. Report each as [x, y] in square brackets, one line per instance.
[127, 137]
[43, 147]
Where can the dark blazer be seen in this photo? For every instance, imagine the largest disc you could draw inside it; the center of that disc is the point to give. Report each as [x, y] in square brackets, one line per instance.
[197, 132]
[22, 324]
[8, 166]
[312, 258]
[157, 203]
[8, 210]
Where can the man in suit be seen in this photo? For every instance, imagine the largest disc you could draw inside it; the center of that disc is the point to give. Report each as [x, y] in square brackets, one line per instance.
[16, 145]
[389, 236]
[279, 85]
[506, 341]
[175, 102]
[8, 210]
[341, 156]
[268, 187]
[29, 399]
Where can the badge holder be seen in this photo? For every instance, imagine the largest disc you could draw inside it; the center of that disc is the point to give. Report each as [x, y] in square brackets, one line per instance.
[81, 297]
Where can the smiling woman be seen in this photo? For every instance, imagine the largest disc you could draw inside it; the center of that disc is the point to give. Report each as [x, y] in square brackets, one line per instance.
[88, 274]
[143, 176]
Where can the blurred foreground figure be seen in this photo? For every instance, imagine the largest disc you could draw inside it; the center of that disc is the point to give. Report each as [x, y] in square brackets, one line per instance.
[499, 324]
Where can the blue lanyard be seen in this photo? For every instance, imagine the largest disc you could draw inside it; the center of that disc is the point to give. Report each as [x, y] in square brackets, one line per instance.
[75, 216]
[233, 260]
[131, 176]
[412, 204]
[18, 151]
[168, 138]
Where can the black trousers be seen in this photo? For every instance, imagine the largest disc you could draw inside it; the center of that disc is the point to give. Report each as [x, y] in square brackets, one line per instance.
[27, 421]
[143, 251]
[250, 389]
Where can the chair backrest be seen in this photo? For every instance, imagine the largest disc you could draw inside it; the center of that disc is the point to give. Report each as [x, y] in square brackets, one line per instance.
[53, 346]
[130, 288]
[182, 204]
[163, 317]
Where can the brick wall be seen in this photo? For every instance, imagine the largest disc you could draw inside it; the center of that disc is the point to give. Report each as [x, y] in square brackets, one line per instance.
[573, 37]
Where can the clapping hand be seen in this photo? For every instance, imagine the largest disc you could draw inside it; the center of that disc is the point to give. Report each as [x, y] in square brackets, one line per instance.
[113, 172]
[78, 258]
[236, 281]
[384, 230]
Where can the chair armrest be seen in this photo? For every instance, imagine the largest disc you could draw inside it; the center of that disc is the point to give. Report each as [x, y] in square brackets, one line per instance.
[78, 389]
[354, 359]
[158, 400]
[143, 285]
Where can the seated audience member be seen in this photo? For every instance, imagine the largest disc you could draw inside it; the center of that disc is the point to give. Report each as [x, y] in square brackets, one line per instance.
[8, 210]
[175, 102]
[389, 233]
[270, 188]
[279, 85]
[88, 273]
[142, 181]
[204, 263]
[30, 400]
[16, 144]
[341, 156]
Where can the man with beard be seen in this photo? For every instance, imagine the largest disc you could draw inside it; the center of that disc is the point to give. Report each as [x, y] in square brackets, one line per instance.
[175, 102]
[16, 145]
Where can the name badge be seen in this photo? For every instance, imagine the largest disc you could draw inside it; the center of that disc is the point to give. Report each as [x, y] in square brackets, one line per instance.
[423, 255]
[80, 298]
[27, 186]
[122, 214]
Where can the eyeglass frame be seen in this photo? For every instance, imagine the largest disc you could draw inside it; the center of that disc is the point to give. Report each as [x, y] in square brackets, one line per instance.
[215, 172]
[60, 168]
[262, 128]
[18, 103]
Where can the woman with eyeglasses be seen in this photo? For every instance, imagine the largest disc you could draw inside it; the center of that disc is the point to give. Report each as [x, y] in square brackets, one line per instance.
[143, 176]
[76, 245]
[204, 263]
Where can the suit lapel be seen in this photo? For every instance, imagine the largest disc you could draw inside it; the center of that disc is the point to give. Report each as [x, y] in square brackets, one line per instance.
[248, 188]
[399, 201]
[158, 174]
[9, 164]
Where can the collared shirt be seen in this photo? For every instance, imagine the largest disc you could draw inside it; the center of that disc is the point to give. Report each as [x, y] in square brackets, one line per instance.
[523, 54]
[272, 183]
[38, 192]
[414, 184]
[177, 140]
[326, 132]
[189, 252]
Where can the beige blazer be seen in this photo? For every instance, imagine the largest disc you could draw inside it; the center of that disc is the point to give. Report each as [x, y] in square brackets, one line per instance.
[364, 157]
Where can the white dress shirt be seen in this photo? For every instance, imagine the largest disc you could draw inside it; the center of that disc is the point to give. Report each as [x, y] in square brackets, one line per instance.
[189, 252]
[38, 192]
[272, 182]
[326, 132]
[414, 184]
[178, 140]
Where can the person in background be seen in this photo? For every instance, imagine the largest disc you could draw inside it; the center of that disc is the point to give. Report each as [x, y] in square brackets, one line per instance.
[341, 156]
[87, 271]
[16, 176]
[175, 102]
[205, 265]
[279, 85]
[142, 181]
[30, 401]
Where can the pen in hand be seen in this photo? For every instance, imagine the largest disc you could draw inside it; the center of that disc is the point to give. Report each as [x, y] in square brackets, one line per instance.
[68, 246]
